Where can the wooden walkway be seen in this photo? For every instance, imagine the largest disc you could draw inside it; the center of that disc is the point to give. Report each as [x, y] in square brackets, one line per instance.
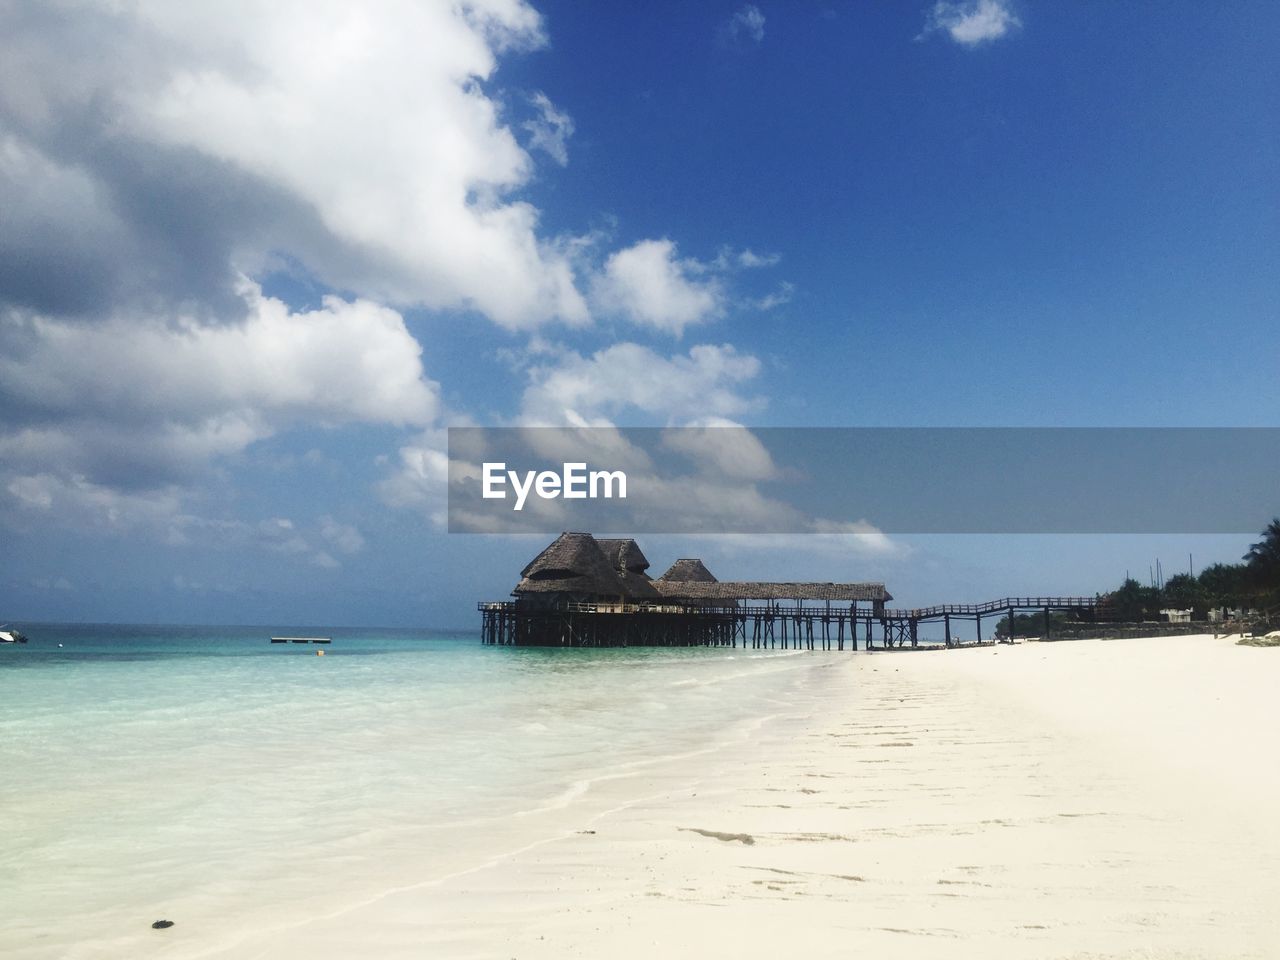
[774, 625]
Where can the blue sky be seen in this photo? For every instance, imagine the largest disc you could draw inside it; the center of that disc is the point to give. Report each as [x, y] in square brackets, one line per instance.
[253, 262]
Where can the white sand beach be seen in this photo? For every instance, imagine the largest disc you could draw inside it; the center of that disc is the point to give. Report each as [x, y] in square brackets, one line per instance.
[1089, 799]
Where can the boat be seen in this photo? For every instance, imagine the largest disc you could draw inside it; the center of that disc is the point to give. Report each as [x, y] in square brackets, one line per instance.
[9, 635]
[301, 640]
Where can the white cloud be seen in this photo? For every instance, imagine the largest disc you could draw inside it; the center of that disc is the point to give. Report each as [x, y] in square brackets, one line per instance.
[804, 555]
[372, 115]
[744, 29]
[324, 560]
[143, 404]
[628, 377]
[343, 536]
[359, 139]
[420, 478]
[567, 389]
[723, 448]
[750, 260]
[971, 22]
[74, 501]
[278, 534]
[777, 298]
[648, 284]
[550, 130]
[154, 155]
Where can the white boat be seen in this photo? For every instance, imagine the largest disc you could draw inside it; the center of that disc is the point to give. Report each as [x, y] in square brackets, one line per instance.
[9, 635]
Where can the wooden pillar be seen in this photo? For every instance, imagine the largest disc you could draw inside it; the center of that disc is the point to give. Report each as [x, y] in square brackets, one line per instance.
[1011, 624]
[1046, 623]
[946, 620]
[977, 618]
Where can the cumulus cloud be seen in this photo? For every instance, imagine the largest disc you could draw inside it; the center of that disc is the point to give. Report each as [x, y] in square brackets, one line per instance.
[159, 160]
[568, 389]
[971, 22]
[650, 285]
[191, 140]
[578, 390]
[744, 29]
[724, 448]
[135, 405]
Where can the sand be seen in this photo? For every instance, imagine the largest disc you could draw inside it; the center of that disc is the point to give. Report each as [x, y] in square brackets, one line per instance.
[1088, 799]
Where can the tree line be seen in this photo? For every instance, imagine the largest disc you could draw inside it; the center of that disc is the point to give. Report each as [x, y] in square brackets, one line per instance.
[1252, 583]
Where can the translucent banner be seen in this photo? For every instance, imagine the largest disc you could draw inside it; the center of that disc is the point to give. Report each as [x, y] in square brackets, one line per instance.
[863, 480]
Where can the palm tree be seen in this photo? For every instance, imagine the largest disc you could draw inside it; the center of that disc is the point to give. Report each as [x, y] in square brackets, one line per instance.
[1263, 558]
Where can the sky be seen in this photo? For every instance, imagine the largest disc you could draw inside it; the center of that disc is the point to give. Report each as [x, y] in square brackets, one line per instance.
[256, 258]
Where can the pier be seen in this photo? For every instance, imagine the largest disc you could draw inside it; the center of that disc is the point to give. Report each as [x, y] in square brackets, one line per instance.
[584, 592]
[774, 625]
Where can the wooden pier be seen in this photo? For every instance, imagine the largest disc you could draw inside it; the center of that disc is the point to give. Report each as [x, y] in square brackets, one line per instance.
[776, 625]
[584, 592]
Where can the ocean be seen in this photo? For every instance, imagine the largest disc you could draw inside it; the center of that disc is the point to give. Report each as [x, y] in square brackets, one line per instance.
[206, 776]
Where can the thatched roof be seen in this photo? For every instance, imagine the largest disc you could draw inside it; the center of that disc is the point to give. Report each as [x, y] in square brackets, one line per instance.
[624, 555]
[628, 561]
[578, 563]
[688, 570]
[574, 563]
[639, 586]
[769, 590]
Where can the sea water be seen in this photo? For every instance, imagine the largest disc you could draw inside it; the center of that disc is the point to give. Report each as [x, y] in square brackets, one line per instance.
[205, 775]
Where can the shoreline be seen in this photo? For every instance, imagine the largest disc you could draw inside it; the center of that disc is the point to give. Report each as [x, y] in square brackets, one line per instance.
[910, 807]
[1084, 799]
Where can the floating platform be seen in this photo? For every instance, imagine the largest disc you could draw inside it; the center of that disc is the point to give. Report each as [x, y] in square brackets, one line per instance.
[302, 640]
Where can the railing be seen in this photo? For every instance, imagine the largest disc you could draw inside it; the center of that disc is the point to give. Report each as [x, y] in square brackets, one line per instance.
[997, 606]
[842, 611]
[574, 606]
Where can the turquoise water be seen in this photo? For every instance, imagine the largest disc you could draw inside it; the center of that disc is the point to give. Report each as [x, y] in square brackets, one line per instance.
[207, 774]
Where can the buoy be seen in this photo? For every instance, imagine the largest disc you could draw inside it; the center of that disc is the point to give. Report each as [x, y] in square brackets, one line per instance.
[162, 925]
[319, 653]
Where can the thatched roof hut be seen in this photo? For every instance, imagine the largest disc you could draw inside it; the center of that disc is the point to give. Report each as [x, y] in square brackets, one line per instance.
[578, 567]
[688, 570]
[630, 564]
[575, 565]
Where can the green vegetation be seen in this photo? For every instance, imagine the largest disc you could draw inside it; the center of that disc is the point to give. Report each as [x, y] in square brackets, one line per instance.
[1252, 584]
[1263, 560]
